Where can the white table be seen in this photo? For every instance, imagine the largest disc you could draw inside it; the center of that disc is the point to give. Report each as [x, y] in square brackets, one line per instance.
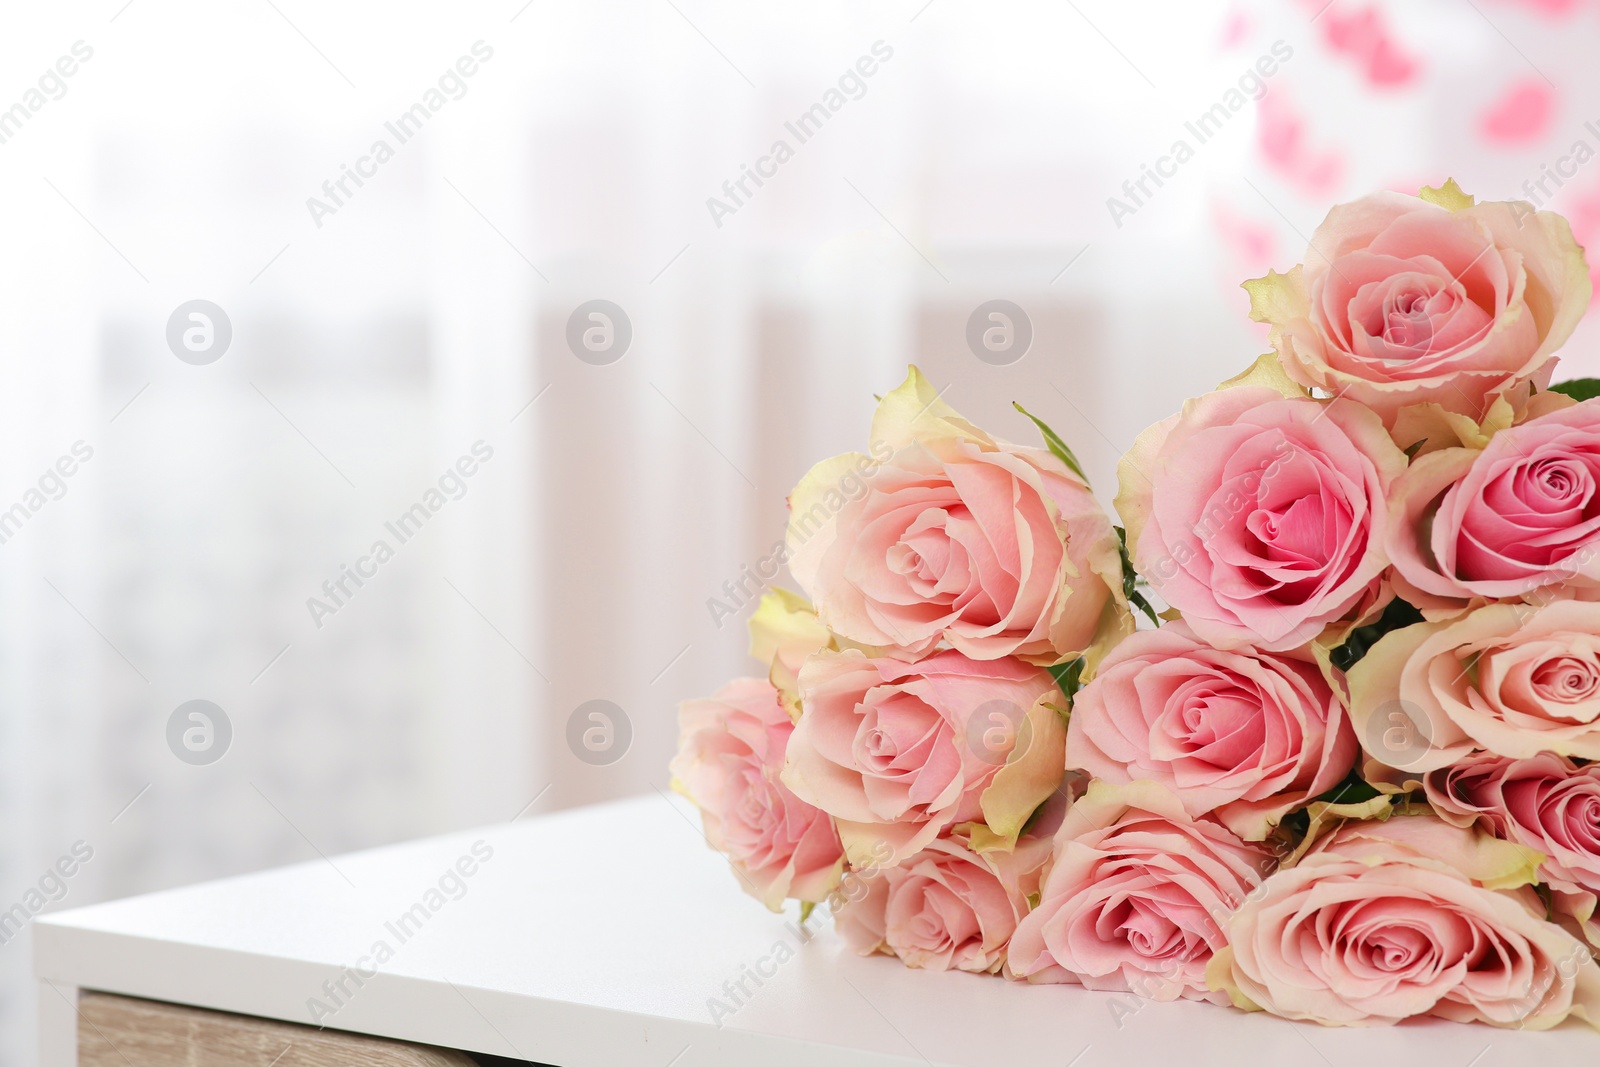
[595, 938]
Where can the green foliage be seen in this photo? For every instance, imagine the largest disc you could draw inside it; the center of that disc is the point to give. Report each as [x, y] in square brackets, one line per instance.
[1069, 676]
[1130, 579]
[1578, 388]
[1058, 447]
[1397, 615]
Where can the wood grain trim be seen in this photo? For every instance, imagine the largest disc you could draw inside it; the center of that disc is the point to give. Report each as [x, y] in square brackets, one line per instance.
[118, 1031]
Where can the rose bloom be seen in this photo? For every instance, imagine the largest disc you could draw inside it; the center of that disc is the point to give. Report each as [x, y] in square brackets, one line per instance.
[1518, 516]
[1135, 896]
[898, 753]
[1547, 803]
[1381, 922]
[1258, 516]
[946, 534]
[1512, 679]
[948, 907]
[730, 752]
[1246, 735]
[1405, 301]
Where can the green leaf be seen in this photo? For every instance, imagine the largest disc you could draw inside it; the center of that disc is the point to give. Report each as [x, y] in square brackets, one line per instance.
[1353, 790]
[1069, 676]
[1057, 446]
[1396, 616]
[806, 908]
[1578, 388]
[1138, 601]
[1131, 579]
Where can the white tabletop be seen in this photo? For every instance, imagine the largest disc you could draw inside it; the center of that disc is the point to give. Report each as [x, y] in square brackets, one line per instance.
[596, 938]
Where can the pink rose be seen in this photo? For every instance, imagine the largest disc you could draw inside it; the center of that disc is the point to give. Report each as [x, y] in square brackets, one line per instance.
[1405, 301]
[730, 752]
[947, 534]
[1381, 922]
[1521, 515]
[1135, 896]
[1246, 735]
[1260, 517]
[898, 753]
[1547, 803]
[947, 907]
[1511, 679]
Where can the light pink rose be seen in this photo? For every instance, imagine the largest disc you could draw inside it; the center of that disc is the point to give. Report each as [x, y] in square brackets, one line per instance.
[945, 534]
[899, 753]
[1246, 735]
[1547, 803]
[1511, 679]
[1135, 896]
[1404, 301]
[1381, 922]
[730, 752]
[1517, 517]
[948, 907]
[1258, 516]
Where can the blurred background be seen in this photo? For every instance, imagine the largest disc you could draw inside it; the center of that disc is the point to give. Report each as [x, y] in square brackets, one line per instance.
[275, 274]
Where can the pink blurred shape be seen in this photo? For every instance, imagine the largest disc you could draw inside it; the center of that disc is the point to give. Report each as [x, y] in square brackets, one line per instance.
[1250, 240]
[1522, 113]
[1237, 28]
[1363, 36]
[1549, 7]
[1281, 136]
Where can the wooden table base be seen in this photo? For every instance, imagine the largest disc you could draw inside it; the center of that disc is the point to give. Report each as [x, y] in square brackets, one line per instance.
[123, 1032]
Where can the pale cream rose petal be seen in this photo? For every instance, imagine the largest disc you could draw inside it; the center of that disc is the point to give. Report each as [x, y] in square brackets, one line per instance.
[1278, 298]
[1415, 572]
[1432, 428]
[1026, 781]
[1376, 687]
[914, 413]
[1324, 816]
[1448, 196]
[1266, 370]
[1136, 473]
[814, 507]
[784, 630]
[1469, 851]
[1560, 300]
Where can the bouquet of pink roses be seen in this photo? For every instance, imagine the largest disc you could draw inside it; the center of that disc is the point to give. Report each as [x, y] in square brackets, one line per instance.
[1350, 775]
